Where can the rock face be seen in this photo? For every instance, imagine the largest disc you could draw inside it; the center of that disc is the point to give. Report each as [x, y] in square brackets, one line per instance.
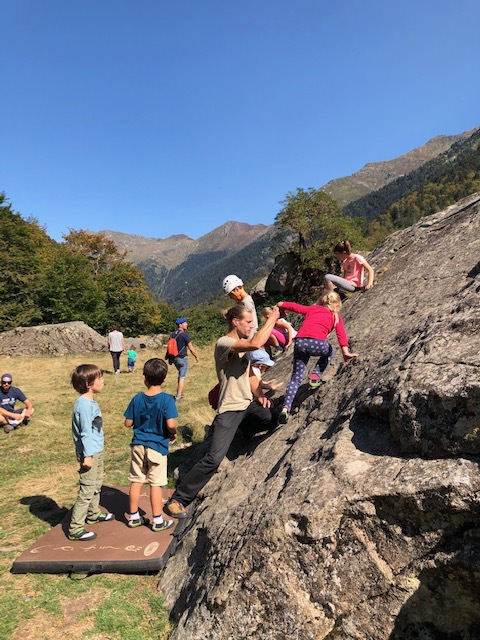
[360, 518]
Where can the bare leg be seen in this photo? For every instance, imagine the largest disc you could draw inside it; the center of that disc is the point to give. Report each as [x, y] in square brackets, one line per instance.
[134, 496]
[156, 500]
[180, 387]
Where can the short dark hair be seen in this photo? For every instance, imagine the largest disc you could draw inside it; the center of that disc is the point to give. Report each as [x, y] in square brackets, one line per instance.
[155, 371]
[84, 376]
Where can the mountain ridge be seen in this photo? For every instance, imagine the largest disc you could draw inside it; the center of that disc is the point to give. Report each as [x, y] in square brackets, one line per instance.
[375, 175]
[171, 251]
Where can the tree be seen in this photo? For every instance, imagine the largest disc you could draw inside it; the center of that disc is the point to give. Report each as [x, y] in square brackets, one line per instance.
[69, 291]
[102, 253]
[24, 248]
[128, 300]
[319, 224]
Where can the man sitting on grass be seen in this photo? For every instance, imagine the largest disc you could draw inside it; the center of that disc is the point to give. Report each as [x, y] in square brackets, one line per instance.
[10, 417]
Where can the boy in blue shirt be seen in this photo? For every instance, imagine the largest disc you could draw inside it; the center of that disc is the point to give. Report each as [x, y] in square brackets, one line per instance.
[87, 432]
[152, 414]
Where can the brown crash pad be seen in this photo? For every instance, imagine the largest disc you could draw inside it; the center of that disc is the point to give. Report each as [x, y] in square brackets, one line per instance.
[117, 549]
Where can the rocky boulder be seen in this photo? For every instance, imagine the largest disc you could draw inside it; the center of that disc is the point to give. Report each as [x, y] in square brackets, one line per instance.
[52, 339]
[360, 517]
[63, 338]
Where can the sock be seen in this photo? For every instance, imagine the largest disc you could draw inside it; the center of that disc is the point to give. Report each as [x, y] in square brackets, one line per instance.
[157, 519]
[134, 516]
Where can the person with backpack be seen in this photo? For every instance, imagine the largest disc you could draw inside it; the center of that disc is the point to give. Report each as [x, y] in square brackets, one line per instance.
[177, 346]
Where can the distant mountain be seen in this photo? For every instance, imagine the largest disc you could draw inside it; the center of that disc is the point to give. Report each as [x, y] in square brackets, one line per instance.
[443, 180]
[173, 250]
[184, 272]
[199, 278]
[375, 175]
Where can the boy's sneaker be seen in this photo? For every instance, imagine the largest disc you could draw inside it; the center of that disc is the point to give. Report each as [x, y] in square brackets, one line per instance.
[175, 509]
[135, 522]
[166, 524]
[8, 428]
[82, 535]
[283, 417]
[14, 423]
[102, 517]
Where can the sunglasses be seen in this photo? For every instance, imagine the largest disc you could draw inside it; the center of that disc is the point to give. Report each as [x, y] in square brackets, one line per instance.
[6, 382]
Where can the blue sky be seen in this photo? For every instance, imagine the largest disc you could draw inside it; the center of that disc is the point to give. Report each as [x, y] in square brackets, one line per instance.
[157, 118]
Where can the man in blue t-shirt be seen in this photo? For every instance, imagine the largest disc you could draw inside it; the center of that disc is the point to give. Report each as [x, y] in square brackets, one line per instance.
[184, 342]
[10, 417]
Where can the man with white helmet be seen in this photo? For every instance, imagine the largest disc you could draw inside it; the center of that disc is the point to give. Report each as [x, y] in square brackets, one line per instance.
[233, 288]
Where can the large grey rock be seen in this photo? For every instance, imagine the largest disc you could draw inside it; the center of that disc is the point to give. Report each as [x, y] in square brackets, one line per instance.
[52, 339]
[360, 517]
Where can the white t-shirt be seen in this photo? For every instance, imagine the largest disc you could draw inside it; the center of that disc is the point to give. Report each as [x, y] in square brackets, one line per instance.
[115, 341]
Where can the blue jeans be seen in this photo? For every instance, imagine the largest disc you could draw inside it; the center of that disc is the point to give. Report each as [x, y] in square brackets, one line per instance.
[182, 365]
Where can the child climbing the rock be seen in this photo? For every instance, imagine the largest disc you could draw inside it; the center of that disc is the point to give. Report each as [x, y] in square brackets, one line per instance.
[353, 269]
[282, 333]
[311, 340]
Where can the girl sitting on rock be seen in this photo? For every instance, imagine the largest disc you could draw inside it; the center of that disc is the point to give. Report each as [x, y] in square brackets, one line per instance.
[353, 268]
[311, 340]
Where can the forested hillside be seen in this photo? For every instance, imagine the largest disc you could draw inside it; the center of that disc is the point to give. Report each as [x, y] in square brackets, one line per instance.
[435, 185]
[83, 278]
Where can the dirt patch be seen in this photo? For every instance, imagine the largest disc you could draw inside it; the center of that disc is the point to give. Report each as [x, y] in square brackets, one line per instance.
[76, 619]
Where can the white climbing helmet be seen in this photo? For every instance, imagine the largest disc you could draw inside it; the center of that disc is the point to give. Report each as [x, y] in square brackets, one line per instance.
[230, 282]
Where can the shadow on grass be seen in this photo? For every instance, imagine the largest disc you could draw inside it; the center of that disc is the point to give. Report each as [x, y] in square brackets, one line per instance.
[45, 509]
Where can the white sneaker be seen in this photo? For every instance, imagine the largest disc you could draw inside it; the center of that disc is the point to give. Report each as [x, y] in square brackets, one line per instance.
[283, 417]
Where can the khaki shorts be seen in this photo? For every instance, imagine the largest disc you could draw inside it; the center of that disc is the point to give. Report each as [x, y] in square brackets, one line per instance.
[148, 465]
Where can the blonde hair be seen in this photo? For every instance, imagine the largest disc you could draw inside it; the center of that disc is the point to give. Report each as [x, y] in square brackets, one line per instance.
[266, 312]
[332, 301]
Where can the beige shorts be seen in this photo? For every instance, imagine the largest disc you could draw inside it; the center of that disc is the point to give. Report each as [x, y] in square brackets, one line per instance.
[147, 465]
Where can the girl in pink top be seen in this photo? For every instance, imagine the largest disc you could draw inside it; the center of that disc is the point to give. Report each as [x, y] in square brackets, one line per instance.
[353, 267]
[311, 340]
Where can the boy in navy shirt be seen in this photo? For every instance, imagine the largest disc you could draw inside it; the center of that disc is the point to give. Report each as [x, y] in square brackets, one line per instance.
[152, 414]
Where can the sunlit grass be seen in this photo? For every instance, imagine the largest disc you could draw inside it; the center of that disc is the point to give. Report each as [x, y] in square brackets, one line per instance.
[38, 482]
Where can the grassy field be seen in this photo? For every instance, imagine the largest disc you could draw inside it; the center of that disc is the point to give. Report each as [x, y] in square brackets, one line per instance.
[38, 482]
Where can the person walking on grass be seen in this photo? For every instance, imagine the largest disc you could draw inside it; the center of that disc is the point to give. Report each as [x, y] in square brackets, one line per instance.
[116, 346]
[152, 415]
[236, 402]
[87, 432]
[354, 266]
[131, 359]
[311, 340]
[180, 361]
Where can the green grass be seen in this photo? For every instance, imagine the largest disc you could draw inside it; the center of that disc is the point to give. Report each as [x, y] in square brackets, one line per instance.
[38, 482]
